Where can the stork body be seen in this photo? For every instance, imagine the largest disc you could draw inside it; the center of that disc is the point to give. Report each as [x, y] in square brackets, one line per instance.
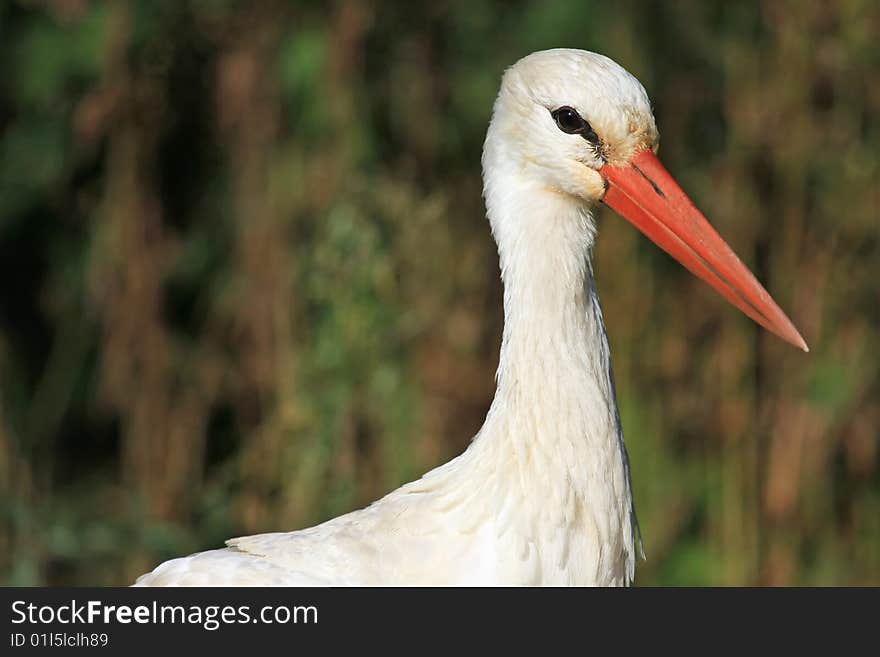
[542, 495]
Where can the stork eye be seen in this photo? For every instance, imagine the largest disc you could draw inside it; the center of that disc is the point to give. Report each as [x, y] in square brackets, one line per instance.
[572, 123]
[568, 120]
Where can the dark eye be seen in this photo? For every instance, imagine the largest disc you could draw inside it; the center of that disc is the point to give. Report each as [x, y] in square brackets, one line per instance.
[569, 121]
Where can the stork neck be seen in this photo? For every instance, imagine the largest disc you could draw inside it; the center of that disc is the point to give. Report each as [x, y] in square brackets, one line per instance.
[553, 431]
[555, 392]
[554, 352]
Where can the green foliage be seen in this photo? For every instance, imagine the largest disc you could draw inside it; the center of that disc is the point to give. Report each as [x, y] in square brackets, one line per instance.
[248, 285]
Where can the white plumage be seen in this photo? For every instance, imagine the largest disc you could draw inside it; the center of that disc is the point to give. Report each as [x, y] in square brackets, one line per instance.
[542, 494]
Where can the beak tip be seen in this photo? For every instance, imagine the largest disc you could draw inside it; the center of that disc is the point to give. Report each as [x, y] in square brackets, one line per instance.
[799, 342]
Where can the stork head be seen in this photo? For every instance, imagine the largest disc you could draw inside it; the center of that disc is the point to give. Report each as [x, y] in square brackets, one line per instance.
[563, 114]
[575, 127]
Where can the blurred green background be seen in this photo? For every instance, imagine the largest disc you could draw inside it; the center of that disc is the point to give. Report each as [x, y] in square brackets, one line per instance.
[247, 283]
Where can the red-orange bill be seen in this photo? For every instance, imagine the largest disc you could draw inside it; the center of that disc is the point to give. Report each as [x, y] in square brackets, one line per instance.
[645, 193]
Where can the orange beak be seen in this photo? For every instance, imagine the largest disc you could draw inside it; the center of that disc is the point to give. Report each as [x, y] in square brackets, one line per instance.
[647, 195]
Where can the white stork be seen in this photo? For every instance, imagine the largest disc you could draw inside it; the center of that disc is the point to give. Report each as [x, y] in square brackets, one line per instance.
[542, 495]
